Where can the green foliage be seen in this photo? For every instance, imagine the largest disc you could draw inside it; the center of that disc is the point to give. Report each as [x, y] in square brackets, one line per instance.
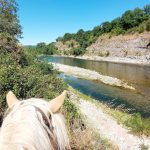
[148, 25]
[106, 27]
[138, 124]
[104, 53]
[147, 9]
[49, 49]
[141, 29]
[73, 112]
[9, 22]
[36, 79]
[131, 21]
[21, 71]
[133, 18]
[117, 31]
[77, 51]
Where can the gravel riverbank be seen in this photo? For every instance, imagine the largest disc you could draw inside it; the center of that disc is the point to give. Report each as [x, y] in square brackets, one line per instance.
[91, 75]
[137, 60]
[107, 126]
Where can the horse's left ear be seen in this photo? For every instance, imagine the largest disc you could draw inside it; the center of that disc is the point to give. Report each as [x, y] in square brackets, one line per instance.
[55, 104]
[11, 99]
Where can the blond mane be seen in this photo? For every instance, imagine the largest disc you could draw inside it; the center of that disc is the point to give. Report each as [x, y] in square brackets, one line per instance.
[30, 125]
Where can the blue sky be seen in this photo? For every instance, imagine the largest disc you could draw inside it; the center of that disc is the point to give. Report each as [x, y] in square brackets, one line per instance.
[45, 20]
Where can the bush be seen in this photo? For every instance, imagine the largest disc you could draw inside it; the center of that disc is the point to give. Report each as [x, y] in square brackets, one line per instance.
[117, 31]
[104, 53]
[78, 51]
[49, 49]
[148, 25]
[138, 124]
[141, 29]
[28, 78]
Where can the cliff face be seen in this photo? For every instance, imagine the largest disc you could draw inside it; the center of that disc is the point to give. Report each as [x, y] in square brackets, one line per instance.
[121, 46]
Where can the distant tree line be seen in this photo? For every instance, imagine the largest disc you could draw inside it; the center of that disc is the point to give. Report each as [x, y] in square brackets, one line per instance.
[137, 20]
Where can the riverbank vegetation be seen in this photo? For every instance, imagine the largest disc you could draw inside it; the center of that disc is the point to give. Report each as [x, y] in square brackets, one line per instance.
[82, 136]
[20, 71]
[135, 122]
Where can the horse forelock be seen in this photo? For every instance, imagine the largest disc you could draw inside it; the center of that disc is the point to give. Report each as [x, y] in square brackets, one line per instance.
[32, 125]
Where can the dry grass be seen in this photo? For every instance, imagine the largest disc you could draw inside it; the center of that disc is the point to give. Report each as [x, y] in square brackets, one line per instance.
[88, 139]
[135, 122]
[82, 137]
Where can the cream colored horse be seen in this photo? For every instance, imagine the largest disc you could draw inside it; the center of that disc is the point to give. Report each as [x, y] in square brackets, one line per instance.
[33, 124]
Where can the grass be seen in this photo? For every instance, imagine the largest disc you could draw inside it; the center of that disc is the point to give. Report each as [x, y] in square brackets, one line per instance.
[81, 136]
[135, 123]
[143, 147]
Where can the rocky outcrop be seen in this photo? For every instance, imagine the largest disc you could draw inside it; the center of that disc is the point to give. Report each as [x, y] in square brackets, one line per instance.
[66, 46]
[130, 45]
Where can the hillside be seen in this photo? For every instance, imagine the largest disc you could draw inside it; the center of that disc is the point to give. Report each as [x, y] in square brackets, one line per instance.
[128, 45]
[125, 36]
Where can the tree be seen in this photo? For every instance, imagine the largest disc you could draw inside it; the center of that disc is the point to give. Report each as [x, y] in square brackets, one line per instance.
[77, 51]
[133, 18]
[10, 28]
[116, 23]
[147, 9]
[106, 27]
[67, 37]
[41, 45]
[9, 22]
[139, 16]
[127, 20]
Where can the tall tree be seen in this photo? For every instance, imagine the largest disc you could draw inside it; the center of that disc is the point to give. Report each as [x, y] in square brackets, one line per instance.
[10, 29]
[9, 22]
[147, 9]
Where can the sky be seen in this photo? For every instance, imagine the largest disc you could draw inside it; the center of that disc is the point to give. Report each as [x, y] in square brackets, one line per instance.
[45, 20]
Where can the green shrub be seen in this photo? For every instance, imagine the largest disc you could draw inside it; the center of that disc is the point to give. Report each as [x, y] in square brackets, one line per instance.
[141, 29]
[27, 77]
[104, 53]
[143, 147]
[117, 31]
[78, 51]
[139, 125]
[148, 25]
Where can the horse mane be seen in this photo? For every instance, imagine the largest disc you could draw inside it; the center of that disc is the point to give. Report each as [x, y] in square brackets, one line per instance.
[30, 125]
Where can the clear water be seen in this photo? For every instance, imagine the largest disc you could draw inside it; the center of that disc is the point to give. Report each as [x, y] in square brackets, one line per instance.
[136, 75]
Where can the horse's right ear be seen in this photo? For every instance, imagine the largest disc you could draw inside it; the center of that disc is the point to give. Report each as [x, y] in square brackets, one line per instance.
[55, 104]
[11, 99]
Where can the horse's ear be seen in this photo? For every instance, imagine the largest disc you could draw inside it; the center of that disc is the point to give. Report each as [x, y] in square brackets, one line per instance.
[11, 99]
[55, 104]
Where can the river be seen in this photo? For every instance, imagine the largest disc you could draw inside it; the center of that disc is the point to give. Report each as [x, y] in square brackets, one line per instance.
[136, 75]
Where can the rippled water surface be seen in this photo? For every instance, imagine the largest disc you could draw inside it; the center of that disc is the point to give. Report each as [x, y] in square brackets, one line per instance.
[136, 75]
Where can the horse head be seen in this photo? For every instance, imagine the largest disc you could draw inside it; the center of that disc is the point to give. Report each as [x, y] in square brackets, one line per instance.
[34, 124]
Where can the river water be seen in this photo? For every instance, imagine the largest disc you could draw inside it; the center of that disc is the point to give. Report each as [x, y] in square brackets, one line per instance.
[136, 75]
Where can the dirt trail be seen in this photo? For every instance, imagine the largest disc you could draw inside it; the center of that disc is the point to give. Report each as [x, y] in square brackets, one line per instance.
[109, 128]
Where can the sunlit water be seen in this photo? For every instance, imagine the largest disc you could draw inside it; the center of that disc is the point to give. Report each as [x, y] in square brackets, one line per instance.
[136, 75]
